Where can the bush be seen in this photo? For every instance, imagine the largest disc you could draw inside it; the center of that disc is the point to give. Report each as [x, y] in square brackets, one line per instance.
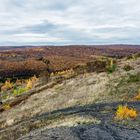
[127, 68]
[134, 78]
[123, 112]
[96, 66]
[31, 82]
[111, 66]
[6, 107]
[134, 56]
[7, 85]
[138, 96]
[19, 91]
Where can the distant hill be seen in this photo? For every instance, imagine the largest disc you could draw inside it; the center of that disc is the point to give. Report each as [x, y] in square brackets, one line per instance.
[14, 58]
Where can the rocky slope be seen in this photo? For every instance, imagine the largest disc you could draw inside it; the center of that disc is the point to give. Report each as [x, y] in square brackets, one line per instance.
[78, 108]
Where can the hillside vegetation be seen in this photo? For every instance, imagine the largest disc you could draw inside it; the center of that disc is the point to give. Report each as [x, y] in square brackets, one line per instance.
[95, 99]
[24, 61]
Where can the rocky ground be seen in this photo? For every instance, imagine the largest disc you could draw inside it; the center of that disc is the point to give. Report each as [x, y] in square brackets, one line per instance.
[88, 123]
[80, 108]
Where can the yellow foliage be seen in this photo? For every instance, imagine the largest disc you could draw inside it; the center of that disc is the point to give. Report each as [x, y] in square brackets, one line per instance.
[34, 79]
[7, 85]
[6, 107]
[123, 112]
[18, 82]
[52, 74]
[111, 63]
[64, 72]
[29, 84]
[138, 96]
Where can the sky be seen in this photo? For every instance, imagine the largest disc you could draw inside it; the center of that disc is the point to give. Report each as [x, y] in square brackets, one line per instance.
[63, 22]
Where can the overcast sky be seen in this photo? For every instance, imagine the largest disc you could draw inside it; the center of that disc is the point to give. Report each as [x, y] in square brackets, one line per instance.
[56, 22]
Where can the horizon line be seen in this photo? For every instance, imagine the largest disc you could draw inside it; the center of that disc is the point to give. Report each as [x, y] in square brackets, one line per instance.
[51, 45]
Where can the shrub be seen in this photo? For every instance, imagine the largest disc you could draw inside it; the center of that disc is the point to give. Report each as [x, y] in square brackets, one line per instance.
[123, 112]
[31, 82]
[62, 73]
[127, 68]
[134, 56]
[138, 96]
[52, 74]
[111, 66]
[18, 82]
[96, 66]
[34, 79]
[19, 91]
[6, 107]
[134, 78]
[7, 85]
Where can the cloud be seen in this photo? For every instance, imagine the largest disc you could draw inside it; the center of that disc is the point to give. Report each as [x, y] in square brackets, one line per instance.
[69, 22]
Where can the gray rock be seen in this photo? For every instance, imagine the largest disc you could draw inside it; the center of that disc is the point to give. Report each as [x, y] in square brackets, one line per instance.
[85, 132]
